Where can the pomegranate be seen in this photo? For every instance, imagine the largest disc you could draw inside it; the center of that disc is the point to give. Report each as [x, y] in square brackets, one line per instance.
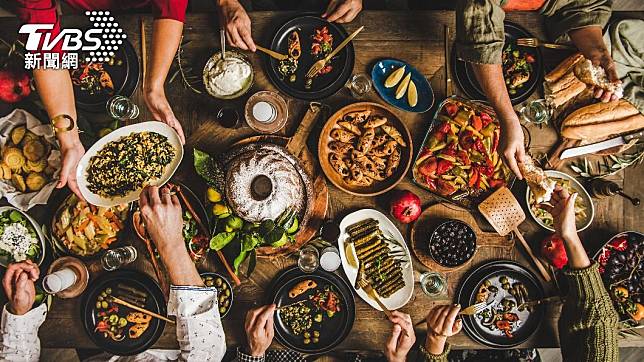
[14, 86]
[552, 248]
[405, 206]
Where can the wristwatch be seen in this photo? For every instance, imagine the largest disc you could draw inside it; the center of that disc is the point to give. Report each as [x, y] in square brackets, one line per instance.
[58, 129]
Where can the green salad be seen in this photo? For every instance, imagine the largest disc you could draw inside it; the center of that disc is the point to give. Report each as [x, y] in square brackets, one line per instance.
[18, 239]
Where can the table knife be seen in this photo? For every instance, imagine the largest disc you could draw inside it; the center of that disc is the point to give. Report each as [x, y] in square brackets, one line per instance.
[599, 146]
[448, 76]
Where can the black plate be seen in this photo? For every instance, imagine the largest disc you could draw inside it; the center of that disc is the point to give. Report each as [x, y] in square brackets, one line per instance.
[467, 296]
[124, 77]
[464, 74]
[155, 303]
[334, 330]
[324, 85]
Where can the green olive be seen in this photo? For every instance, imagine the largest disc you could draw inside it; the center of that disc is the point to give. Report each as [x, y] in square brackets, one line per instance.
[307, 340]
[104, 304]
[316, 334]
[209, 283]
[108, 291]
[219, 282]
[227, 292]
[316, 340]
[98, 305]
[307, 335]
[222, 310]
[227, 303]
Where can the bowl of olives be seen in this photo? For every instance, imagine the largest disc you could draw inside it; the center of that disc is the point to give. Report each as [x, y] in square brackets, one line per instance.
[224, 290]
[452, 243]
[621, 265]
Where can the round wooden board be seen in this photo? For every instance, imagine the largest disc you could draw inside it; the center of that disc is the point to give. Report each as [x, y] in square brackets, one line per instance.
[378, 187]
[319, 202]
[437, 213]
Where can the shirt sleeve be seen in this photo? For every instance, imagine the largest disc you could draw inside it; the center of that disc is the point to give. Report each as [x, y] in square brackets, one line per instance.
[479, 31]
[588, 322]
[20, 334]
[170, 9]
[565, 15]
[424, 356]
[199, 330]
[39, 12]
[243, 357]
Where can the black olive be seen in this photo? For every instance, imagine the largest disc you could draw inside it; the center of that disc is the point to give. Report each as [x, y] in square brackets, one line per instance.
[621, 257]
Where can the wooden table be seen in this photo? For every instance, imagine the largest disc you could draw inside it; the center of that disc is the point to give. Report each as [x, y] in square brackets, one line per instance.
[416, 38]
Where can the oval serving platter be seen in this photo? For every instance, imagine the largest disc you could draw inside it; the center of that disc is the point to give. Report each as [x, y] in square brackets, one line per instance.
[151, 126]
[384, 67]
[402, 296]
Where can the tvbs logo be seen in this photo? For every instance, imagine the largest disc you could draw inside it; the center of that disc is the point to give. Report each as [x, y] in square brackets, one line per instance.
[97, 44]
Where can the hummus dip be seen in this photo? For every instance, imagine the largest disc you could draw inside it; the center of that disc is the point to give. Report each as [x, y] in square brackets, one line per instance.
[228, 77]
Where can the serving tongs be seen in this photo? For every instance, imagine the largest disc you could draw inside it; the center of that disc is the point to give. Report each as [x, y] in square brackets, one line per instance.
[142, 233]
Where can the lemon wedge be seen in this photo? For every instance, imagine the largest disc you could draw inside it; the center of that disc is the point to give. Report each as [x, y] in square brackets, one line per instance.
[402, 88]
[395, 77]
[412, 94]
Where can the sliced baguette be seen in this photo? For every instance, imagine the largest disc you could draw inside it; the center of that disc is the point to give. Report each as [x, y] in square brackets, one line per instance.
[600, 113]
[563, 90]
[563, 67]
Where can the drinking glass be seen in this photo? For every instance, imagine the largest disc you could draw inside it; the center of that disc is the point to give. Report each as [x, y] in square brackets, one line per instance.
[432, 283]
[116, 258]
[536, 112]
[121, 107]
[309, 259]
[359, 85]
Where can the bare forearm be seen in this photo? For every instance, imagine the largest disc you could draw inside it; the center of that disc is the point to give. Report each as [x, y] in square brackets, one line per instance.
[180, 267]
[57, 95]
[589, 41]
[577, 257]
[165, 41]
[490, 77]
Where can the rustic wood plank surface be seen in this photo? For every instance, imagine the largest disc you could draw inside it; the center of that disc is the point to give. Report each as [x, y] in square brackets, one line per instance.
[413, 37]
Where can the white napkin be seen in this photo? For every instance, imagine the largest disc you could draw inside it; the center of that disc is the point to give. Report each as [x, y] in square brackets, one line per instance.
[24, 201]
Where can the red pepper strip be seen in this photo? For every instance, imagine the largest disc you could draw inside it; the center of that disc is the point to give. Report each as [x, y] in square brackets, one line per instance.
[495, 142]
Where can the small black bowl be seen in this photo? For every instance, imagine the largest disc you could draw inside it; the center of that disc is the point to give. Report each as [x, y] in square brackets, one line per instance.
[452, 243]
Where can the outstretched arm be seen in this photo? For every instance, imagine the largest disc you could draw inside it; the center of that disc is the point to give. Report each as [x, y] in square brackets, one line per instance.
[199, 330]
[165, 42]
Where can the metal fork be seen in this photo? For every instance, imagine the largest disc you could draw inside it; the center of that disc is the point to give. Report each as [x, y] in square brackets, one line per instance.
[535, 43]
[317, 66]
[471, 310]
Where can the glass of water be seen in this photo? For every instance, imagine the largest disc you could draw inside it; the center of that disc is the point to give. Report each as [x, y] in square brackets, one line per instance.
[359, 85]
[309, 259]
[116, 258]
[432, 283]
[537, 112]
[121, 107]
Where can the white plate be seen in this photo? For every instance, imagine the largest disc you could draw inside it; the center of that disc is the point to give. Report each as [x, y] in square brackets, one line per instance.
[590, 208]
[401, 297]
[36, 226]
[152, 126]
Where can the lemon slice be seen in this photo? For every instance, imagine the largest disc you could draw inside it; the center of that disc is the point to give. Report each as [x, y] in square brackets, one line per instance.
[402, 88]
[412, 94]
[395, 77]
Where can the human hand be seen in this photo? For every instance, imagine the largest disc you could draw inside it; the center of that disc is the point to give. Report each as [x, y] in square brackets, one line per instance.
[18, 283]
[603, 59]
[237, 24]
[162, 217]
[442, 323]
[161, 111]
[259, 329]
[402, 337]
[563, 212]
[512, 146]
[71, 153]
[342, 11]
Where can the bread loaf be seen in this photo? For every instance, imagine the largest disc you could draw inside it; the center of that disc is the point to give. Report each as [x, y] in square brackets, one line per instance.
[564, 89]
[601, 120]
[595, 75]
[563, 67]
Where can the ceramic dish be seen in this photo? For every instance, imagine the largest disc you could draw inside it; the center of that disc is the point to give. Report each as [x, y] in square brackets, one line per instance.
[452, 243]
[323, 85]
[466, 79]
[212, 62]
[331, 330]
[582, 199]
[152, 126]
[225, 293]
[377, 187]
[350, 267]
[383, 69]
[40, 255]
[489, 275]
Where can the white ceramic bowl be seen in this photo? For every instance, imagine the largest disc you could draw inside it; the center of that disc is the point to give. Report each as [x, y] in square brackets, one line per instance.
[583, 194]
[39, 234]
[214, 59]
[152, 126]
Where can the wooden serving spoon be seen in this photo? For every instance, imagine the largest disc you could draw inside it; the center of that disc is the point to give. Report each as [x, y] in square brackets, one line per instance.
[141, 232]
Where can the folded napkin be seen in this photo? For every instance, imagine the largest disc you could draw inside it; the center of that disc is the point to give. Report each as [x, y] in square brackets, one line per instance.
[625, 39]
[25, 201]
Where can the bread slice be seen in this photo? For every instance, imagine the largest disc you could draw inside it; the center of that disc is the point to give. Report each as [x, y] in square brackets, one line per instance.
[563, 89]
[596, 76]
[563, 67]
[540, 185]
